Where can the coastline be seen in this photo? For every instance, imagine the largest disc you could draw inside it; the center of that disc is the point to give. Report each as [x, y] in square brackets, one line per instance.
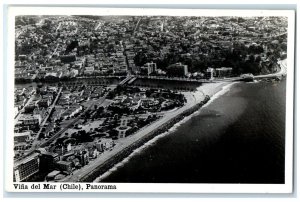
[134, 143]
[219, 91]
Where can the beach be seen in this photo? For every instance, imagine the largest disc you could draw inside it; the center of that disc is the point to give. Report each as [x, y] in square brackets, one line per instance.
[126, 146]
[145, 165]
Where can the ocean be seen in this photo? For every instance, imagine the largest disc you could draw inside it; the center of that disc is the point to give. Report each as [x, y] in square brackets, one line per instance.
[237, 138]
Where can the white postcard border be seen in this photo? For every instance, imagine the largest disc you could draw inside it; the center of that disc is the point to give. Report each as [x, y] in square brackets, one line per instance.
[154, 187]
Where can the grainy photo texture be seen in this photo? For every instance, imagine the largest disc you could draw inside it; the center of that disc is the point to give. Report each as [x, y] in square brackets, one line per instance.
[150, 99]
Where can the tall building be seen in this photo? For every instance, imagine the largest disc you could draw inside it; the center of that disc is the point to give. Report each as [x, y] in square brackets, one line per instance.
[185, 70]
[178, 69]
[26, 167]
[223, 72]
[209, 73]
[218, 72]
[149, 67]
[48, 160]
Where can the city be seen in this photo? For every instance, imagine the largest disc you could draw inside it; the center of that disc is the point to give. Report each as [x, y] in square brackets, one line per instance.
[91, 89]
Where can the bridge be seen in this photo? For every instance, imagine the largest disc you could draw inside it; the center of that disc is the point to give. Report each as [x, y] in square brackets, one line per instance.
[128, 78]
[132, 80]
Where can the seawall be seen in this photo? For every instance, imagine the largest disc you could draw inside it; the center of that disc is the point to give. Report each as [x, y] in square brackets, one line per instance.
[101, 169]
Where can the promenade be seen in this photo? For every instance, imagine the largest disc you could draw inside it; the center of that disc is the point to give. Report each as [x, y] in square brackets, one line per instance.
[193, 98]
[109, 156]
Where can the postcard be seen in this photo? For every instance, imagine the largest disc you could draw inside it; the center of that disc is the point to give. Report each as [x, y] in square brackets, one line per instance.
[149, 100]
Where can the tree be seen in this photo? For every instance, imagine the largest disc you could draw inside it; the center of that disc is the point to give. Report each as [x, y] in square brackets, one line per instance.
[251, 58]
[95, 107]
[258, 59]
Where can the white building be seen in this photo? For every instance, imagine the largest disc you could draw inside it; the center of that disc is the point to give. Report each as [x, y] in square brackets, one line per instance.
[104, 144]
[22, 137]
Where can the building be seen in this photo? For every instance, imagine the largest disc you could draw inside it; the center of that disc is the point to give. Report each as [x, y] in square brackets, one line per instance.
[64, 166]
[223, 72]
[93, 153]
[24, 75]
[89, 70]
[48, 160]
[29, 108]
[149, 68]
[22, 137]
[30, 120]
[99, 146]
[26, 167]
[21, 146]
[83, 157]
[177, 69]
[53, 76]
[45, 102]
[148, 103]
[209, 74]
[22, 57]
[218, 72]
[47, 69]
[104, 144]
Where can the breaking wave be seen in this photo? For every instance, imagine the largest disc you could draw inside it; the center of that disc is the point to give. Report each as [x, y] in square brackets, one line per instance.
[151, 142]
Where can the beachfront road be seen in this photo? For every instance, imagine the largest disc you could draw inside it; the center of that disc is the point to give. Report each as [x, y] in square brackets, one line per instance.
[144, 132]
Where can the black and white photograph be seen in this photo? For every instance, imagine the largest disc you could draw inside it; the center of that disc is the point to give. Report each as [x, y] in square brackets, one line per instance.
[151, 97]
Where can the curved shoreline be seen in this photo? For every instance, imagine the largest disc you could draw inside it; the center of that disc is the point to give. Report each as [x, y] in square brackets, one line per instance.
[169, 131]
[127, 147]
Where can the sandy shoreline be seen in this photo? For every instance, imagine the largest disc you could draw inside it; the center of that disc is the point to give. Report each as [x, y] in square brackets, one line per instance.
[127, 147]
[214, 91]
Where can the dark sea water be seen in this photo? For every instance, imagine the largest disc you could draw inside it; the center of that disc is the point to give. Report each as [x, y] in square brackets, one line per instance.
[238, 138]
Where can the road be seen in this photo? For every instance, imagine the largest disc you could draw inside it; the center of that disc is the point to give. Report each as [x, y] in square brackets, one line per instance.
[71, 124]
[129, 77]
[38, 144]
[282, 72]
[49, 110]
[131, 140]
